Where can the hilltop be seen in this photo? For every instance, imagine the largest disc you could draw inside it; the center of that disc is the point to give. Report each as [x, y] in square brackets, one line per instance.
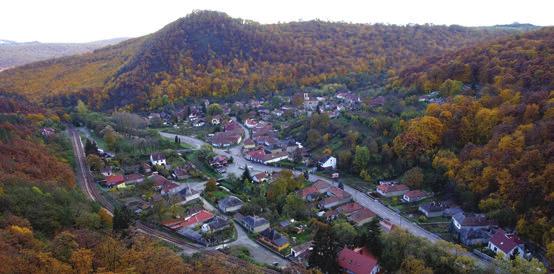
[211, 54]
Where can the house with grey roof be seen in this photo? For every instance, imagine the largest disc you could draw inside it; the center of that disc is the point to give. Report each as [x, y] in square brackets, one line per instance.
[229, 204]
[253, 224]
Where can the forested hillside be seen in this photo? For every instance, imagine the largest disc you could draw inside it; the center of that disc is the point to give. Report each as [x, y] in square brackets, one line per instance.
[209, 53]
[48, 226]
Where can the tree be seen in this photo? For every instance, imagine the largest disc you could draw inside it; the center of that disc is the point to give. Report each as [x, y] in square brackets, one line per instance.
[95, 162]
[63, 245]
[81, 107]
[110, 137]
[211, 185]
[413, 265]
[325, 249]
[519, 265]
[246, 174]
[344, 160]
[550, 252]
[121, 218]
[295, 207]
[297, 155]
[450, 87]
[90, 147]
[81, 260]
[413, 177]
[345, 233]
[361, 158]
[214, 109]
[371, 237]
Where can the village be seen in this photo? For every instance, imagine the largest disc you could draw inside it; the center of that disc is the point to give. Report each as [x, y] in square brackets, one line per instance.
[229, 160]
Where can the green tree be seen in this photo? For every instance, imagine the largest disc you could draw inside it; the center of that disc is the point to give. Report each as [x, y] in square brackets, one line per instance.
[95, 162]
[413, 177]
[214, 109]
[519, 265]
[345, 233]
[122, 218]
[81, 107]
[361, 158]
[325, 249]
[371, 237]
[295, 207]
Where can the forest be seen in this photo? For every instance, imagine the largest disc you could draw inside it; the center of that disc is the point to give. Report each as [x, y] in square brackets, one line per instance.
[211, 54]
[48, 226]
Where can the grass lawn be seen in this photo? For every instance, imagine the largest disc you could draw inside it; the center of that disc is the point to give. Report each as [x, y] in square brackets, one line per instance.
[201, 166]
[214, 196]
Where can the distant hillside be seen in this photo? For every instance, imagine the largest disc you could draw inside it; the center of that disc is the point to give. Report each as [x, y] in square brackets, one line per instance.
[520, 62]
[210, 53]
[14, 54]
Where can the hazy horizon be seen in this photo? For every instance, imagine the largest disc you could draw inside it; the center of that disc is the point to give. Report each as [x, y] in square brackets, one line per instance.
[66, 21]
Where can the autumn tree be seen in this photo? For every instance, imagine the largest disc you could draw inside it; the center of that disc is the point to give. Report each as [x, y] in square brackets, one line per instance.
[325, 249]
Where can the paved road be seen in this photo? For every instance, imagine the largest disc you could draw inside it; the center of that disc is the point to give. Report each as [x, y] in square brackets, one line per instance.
[258, 252]
[360, 197]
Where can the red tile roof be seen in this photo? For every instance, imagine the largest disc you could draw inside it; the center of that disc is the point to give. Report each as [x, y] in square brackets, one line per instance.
[199, 217]
[392, 188]
[305, 192]
[349, 208]
[321, 185]
[114, 180]
[361, 215]
[355, 262]
[416, 194]
[506, 242]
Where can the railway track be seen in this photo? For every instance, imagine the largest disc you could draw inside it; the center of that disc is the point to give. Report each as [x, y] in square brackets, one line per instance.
[88, 186]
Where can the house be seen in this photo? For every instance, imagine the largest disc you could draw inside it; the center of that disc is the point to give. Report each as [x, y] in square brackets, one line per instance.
[328, 162]
[432, 209]
[463, 220]
[348, 209]
[392, 190]
[301, 252]
[260, 156]
[386, 225]
[229, 204]
[261, 177]
[249, 144]
[360, 262]
[415, 196]
[478, 236]
[274, 239]
[191, 220]
[471, 229]
[115, 180]
[133, 178]
[225, 139]
[219, 161]
[336, 197]
[506, 244]
[361, 217]
[164, 185]
[146, 168]
[185, 195]
[253, 224]
[106, 171]
[250, 123]
[181, 173]
[321, 186]
[47, 132]
[157, 159]
[309, 193]
[216, 224]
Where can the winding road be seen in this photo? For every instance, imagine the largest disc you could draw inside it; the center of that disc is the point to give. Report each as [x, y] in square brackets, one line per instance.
[359, 196]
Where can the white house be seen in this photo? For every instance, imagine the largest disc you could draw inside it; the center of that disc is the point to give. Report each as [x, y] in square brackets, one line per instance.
[157, 159]
[328, 162]
[506, 244]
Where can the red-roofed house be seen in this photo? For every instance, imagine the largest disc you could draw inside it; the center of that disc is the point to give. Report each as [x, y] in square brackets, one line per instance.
[506, 244]
[392, 190]
[353, 262]
[192, 220]
[321, 186]
[309, 193]
[415, 195]
[361, 216]
[336, 197]
[115, 180]
[261, 177]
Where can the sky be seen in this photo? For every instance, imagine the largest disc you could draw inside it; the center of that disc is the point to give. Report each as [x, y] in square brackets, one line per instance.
[90, 20]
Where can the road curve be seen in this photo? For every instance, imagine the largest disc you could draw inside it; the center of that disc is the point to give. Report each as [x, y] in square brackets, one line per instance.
[360, 197]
